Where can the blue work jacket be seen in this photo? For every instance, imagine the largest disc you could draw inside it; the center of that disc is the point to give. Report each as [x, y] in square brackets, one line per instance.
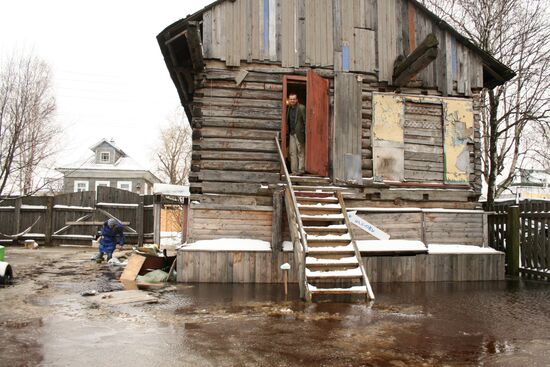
[108, 242]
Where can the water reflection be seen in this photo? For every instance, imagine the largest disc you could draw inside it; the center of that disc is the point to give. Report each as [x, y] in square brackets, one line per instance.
[465, 323]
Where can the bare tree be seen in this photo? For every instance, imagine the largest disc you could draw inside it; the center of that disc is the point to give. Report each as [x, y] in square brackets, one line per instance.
[174, 149]
[27, 129]
[516, 32]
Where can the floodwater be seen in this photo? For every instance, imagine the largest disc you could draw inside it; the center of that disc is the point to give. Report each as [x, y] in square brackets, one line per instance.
[504, 323]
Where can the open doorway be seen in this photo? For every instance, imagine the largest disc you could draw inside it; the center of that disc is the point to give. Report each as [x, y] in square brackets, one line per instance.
[312, 91]
[297, 85]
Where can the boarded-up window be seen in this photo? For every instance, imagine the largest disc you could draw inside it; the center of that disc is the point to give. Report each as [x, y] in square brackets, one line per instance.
[422, 139]
[423, 142]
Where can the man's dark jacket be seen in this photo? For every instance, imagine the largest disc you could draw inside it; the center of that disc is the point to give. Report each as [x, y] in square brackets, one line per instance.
[300, 122]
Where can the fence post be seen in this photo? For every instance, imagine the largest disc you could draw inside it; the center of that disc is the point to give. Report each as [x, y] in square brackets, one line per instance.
[512, 241]
[17, 218]
[48, 229]
[277, 221]
[139, 221]
[157, 210]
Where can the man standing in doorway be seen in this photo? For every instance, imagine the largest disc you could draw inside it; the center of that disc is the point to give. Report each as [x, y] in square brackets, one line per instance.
[296, 118]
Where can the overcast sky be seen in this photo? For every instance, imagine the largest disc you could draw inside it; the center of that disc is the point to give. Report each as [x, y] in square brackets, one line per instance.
[110, 78]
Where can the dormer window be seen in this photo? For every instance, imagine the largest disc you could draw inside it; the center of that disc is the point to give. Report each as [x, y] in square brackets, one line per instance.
[105, 157]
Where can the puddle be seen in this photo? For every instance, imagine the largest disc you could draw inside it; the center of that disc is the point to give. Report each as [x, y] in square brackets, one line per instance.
[431, 324]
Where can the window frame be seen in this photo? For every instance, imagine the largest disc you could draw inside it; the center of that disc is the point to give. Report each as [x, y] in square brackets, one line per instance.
[77, 182]
[101, 160]
[102, 183]
[120, 183]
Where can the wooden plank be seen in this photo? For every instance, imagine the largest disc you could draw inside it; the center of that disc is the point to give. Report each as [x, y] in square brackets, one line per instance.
[243, 165]
[131, 271]
[419, 59]
[347, 126]
[387, 36]
[231, 122]
[272, 38]
[207, 33]
[238, 176]
[237, 144]
[232, 214]
[236, 155]
[238, 133]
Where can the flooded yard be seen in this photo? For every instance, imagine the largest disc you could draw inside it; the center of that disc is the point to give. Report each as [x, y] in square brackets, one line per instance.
[45, 321]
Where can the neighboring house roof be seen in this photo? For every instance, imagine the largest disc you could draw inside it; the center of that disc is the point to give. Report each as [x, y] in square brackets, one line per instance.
[111, 143]
[122, 164]
[497, 72]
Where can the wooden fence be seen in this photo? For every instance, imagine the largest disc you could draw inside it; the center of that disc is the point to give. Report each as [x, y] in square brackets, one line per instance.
[533, 222]
[75, 217]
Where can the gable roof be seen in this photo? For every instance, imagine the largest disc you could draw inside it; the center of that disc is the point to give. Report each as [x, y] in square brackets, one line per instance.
[109, 142]
[495, 72]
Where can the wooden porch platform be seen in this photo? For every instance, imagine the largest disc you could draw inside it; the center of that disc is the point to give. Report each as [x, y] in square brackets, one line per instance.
[263, 267]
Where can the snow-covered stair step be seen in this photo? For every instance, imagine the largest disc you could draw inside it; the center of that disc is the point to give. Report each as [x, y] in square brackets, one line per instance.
[357, 289]
[329, 237]
[313, 208]
[334, 274]
[322, 217]
[314, 199]
[310, 180]
[347, 249]
[341, 262]
[321, 188]
[313, 194]
[330, 229]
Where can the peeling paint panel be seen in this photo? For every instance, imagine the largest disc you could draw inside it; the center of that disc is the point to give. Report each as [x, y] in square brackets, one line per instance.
[389, 114]
[458, 132]
[388, 139]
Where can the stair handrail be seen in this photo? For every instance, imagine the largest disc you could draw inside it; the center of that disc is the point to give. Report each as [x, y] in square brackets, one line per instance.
[293, 212]
[303, 240]
[340, 197]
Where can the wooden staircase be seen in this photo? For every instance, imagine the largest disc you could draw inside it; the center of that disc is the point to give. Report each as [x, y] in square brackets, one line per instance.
[333, 264]
[326, 257]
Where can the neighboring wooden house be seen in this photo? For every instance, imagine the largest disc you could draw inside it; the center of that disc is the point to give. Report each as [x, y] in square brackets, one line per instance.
[108, 166]
[528, 184]
[393, 108]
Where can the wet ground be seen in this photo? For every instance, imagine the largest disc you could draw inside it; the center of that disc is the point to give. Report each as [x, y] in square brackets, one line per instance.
[45, 321]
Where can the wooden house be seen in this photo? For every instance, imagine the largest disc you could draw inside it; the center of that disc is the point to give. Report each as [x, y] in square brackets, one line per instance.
[108, 166]
[392, 94]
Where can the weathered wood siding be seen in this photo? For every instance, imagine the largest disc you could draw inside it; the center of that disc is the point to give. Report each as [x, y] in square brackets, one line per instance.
[234, 267]
[435, 268]
[229, 222]
[346, 145]
[364, 36]
[429, 226]
[264, 267]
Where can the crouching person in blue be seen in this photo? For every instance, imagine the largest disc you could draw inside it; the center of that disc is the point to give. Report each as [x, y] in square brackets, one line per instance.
[107, 242]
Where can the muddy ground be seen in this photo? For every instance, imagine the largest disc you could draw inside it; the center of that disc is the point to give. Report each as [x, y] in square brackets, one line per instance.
[44, 320]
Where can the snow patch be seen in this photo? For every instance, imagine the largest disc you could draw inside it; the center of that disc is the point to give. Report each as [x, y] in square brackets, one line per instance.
[355, 272]
[390, 246]
[73, 207]
[228, 244]
[460, 249]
